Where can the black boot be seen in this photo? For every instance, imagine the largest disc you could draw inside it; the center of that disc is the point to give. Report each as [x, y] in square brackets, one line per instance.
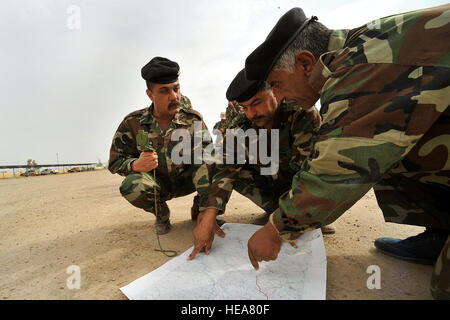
[162, 227]
[423, 248]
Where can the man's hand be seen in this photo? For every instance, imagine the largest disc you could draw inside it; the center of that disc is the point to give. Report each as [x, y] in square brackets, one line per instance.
[204, 232]
[146, 162]
[265, 245]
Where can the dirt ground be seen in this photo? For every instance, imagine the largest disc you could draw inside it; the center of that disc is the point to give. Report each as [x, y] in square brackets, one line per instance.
[52, 222]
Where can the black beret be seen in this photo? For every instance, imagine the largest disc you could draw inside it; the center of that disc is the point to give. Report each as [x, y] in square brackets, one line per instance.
[160, 70]
[241, 89]
[260, 62]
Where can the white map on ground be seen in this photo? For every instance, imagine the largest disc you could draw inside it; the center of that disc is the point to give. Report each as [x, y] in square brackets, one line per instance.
[227, 274]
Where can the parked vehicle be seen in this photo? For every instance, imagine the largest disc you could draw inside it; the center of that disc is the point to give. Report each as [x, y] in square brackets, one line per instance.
[31, 172]
[47, 171]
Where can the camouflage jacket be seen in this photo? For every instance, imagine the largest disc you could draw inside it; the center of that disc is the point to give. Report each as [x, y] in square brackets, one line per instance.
[234, 114]
[233, 109]
[296, 128]
[384, 90]
[125, 149]
[220, 125]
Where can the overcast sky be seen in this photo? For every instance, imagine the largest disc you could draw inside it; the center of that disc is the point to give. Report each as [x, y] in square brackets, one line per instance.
[66, 84]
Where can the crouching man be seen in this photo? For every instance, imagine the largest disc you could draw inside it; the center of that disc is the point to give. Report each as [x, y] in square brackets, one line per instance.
[143, 142]
[254, 178]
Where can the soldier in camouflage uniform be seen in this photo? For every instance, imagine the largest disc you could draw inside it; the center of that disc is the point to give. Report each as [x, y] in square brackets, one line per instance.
[143, 142]
[384, 90]
[220, 125]
[235, 115]
[232, 115]
[234, 110]
[260, 109]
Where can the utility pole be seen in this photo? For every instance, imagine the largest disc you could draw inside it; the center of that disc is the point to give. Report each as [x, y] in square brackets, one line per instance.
[57, 161]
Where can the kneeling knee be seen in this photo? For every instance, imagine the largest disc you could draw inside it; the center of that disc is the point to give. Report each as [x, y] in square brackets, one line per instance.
[130, 183]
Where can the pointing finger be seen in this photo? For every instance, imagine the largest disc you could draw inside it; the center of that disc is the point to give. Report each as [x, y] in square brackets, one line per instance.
[194, 252]
[208, 247]
[219, 232]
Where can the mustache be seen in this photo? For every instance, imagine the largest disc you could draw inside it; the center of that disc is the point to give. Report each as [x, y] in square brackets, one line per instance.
[256, 118]
[293, 101]
[174, 104]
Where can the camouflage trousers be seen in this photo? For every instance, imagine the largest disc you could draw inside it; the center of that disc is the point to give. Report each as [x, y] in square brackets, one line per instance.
[440, 280]
[139, 189]
[408, 201]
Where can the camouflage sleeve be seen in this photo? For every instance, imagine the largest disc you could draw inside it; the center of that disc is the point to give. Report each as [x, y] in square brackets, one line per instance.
[202, 173]
[304, 126]
[373, 115]
[123, 150]
[224, 177]
[222, 186]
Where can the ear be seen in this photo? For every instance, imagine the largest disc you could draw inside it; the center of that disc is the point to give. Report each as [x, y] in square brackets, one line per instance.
[149, 94]
[305, 62]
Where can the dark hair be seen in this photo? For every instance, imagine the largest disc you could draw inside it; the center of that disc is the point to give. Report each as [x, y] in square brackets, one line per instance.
[150, 85]
[264, 85]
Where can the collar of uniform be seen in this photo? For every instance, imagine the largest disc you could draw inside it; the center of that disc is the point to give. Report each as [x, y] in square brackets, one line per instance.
[321, 73]
[285, 111]
[185, 102]
[147, 116]
[337, 39]
[180, 117]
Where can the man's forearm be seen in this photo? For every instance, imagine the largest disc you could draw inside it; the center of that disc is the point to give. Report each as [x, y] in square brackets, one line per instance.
[122, 166]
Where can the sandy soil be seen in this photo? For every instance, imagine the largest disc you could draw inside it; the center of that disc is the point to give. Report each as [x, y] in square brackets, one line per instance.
[52, 222]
